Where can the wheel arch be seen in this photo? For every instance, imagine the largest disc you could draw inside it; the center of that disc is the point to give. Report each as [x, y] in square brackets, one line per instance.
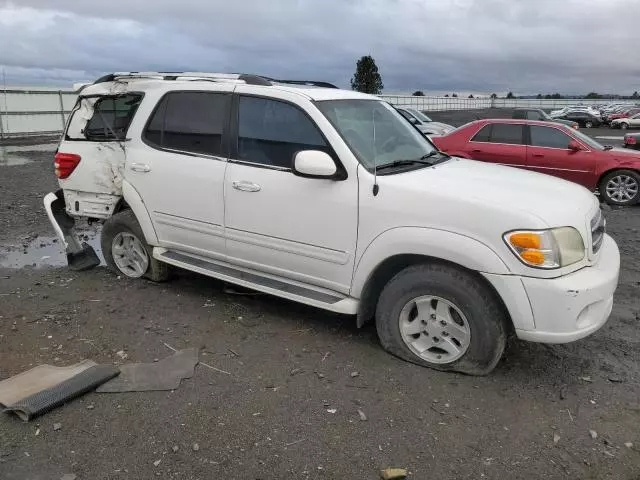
[376, 267]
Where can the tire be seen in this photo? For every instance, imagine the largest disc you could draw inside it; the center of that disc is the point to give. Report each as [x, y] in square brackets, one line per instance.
[588, 124]
[624, 125]
[124, 226]
[469, 302]
[629, 178]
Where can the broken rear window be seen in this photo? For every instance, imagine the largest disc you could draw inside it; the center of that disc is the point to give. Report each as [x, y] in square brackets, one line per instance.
[103, 118]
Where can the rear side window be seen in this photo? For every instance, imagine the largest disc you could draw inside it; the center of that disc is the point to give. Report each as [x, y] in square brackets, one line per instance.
[533, 115]
[483, 135]
[271, 132]
[549, 137]
[190, 122]
[506, 133]
[109, 117]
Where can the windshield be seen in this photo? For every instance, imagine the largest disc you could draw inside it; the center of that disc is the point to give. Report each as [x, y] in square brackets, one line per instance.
[588, 140]
[419, 115]
[376, 133]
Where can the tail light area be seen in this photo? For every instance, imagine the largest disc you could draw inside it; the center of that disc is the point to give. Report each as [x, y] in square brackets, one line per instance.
[630, 140]
[65, 164]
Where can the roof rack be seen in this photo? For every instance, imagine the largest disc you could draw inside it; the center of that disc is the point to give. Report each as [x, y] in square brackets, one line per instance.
[239, 77]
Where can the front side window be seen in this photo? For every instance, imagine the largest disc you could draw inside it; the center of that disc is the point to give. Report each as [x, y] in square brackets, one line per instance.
[375, 131]
[189, 122]
[271, 132]
[548, 137]
[506, 133]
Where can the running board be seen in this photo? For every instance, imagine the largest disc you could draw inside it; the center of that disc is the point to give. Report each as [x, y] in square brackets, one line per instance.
[308, 295]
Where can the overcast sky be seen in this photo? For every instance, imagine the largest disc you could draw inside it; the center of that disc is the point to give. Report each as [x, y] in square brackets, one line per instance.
[528, 46]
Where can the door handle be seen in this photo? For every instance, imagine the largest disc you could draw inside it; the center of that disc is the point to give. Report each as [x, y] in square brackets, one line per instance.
[476, 151]
[246, 186]
[538, 155]
[140, 167]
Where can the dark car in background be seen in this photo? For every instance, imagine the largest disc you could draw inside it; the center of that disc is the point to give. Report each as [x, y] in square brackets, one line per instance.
[541, 115]
[632, 140]
[582, 118]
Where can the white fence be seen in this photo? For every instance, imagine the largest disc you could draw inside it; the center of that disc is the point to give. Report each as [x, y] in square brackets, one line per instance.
[41, 111]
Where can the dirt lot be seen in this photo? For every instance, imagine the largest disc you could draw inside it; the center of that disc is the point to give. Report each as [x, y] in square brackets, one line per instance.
[286, 368]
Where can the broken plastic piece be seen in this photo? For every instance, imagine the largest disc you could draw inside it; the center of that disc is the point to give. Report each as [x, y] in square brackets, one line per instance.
[80, 256]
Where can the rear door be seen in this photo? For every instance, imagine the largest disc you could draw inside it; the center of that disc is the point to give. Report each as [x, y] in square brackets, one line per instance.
[501, 143]
[178, 165]
[548, 153]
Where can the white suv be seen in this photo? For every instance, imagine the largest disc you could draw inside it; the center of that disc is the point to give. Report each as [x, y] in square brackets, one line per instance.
[331, 198]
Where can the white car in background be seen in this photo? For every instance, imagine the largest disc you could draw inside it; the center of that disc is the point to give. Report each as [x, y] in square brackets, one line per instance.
[624, 123]
[577, 108]
[424, 123]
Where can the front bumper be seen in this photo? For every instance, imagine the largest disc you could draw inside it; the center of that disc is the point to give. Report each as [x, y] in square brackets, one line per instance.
[566, 308]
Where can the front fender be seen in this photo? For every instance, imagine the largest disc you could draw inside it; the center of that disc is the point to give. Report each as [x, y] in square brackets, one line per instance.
[442, 244]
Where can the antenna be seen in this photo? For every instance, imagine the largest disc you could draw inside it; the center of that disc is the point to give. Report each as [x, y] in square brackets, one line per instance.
[376, 188]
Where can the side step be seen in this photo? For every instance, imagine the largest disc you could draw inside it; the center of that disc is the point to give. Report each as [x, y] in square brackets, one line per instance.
[309, 295]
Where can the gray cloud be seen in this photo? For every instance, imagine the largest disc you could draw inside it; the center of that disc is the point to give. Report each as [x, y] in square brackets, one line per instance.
[480, 45]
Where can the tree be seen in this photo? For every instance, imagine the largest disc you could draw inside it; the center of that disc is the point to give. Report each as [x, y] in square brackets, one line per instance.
[635, 95]
[592, 95]
[418, 93]
[454, 95]
[493, 95]
[539, 95]
[446, 95]
[510, 95]
[367, 79]
[470, 95]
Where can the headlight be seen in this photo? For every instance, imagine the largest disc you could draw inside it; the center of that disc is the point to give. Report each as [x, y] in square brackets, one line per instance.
[547, 249]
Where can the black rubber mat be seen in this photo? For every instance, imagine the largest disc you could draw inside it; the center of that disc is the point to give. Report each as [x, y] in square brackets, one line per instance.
[48, 399]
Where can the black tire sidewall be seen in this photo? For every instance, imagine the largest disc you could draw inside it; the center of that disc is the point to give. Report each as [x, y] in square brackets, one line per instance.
[609, 176]
[482, 311]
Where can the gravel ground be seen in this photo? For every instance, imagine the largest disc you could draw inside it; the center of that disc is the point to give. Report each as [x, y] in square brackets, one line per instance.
[285, 368]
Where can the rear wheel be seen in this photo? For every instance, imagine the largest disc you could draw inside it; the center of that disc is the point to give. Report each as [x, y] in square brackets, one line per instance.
[621, 187]
[624, 125]
[442, 317]
[126, 251]
[588, 124]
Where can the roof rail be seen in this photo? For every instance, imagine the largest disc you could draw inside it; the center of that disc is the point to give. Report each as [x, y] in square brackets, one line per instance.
[243, 77]
[310, 83]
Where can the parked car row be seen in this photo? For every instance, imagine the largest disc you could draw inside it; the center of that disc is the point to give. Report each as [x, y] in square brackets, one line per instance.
[424, 123]
[553, 149]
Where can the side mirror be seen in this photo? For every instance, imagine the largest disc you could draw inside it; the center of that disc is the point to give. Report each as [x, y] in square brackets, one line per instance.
[574, 146]
[314, 164]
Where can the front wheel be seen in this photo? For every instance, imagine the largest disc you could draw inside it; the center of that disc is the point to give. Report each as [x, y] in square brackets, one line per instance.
[624, 125]
[442, 317]
[126, 251]
[588, 124]
[621, 187]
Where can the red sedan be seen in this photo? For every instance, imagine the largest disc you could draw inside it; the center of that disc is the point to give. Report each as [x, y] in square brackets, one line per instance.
[553, 149]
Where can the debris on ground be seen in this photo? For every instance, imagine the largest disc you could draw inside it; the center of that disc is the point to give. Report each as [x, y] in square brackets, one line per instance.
[593, 434]
[615, 378]
[163, 375]
[46, 387]
[354, 374]
[393, 473]
[362, 415]
[122, 354]
[156, 463]
[332, 410]
[195, 447]
[68, 476]
[57, 426]
[175, 448]
[586, 378]
[556, 438]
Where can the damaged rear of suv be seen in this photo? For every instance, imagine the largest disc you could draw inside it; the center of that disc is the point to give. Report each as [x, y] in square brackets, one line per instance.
[89, 164]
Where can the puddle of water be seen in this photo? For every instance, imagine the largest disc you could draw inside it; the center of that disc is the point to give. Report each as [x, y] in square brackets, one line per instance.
[43, 252]
[11, 155]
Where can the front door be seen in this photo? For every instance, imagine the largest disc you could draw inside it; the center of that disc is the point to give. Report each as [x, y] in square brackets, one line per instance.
[548, 153]
[178, 169]
[277, 222]
[501, 143]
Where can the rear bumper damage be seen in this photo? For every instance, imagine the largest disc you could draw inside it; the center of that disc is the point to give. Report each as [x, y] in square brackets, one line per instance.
[80, 255]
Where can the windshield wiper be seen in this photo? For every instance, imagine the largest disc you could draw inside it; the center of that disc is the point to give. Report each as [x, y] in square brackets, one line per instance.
[423, 160]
